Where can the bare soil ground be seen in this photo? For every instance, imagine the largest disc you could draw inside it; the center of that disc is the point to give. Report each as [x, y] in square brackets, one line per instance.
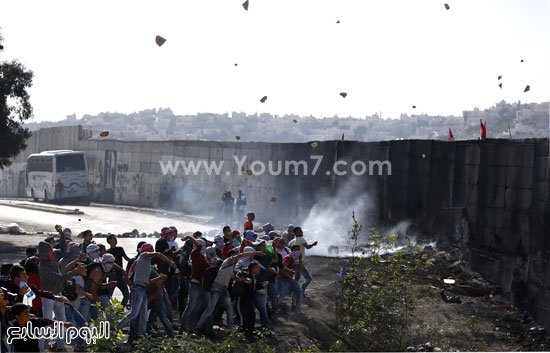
[481, 322]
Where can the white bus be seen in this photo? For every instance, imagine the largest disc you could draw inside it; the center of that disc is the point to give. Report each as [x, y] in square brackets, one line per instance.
[46, 168]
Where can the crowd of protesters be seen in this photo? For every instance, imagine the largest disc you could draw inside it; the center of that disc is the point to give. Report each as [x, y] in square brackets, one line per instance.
[197, 278]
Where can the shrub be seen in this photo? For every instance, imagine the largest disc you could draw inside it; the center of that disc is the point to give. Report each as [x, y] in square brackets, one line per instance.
[378, 298]
[111, 314]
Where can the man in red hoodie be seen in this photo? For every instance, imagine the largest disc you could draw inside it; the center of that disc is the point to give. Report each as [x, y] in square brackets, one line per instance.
[198, 297]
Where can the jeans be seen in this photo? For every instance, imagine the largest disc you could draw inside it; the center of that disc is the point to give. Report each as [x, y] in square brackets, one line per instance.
[105, 301]
[167, 304]
[138, 310]
[307, 276]
[91, 311]
[260, 302]
[121, 284]
[51, 307]
[77, 320]
[59, 197]
[157, 306]
[84, 309]
[272, 294]
[182, 295]
[218, 293]
[285, 285]
[197, 297]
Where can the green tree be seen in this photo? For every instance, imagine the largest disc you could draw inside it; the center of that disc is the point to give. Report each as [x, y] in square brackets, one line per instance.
[15, 108]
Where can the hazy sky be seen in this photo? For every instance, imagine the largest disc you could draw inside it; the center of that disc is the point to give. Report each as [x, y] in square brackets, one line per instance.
[96, 56]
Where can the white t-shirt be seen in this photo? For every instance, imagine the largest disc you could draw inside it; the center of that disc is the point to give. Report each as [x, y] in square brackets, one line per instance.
[299, 241]
[284, 252]
[79, 281]
[174, 244]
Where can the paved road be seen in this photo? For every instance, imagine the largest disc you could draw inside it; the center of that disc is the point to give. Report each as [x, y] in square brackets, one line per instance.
[99, 219]
[102, 219]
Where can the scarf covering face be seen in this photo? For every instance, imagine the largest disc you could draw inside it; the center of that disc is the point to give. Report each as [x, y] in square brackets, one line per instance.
[107, 262]
[92, 251]
[211, 255]
[295, 255]
[244, 262]
[218, 239]
[67, 233]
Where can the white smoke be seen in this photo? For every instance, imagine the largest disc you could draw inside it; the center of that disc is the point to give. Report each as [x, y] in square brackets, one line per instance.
[330, 220]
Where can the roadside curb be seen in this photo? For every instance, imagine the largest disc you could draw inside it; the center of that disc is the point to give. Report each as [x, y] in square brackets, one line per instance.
[158, 212]
[43, 208]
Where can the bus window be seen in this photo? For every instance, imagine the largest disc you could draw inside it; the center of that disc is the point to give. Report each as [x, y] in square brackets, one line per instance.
[70, 163]
[39, 164]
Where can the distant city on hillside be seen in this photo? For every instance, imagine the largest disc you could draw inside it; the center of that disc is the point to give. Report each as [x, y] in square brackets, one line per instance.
[503, 120]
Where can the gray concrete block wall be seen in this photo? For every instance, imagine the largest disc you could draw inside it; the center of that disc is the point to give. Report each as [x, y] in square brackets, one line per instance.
[489, 200]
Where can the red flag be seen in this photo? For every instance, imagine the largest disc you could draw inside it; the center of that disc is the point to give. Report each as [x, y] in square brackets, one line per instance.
[451, 137]
[483, 130]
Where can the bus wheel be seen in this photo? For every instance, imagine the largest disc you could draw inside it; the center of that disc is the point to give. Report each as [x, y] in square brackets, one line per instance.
[34, 198]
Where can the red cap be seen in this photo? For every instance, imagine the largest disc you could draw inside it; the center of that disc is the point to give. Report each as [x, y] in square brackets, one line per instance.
[236, 233]
[279, 242]
[146, 248]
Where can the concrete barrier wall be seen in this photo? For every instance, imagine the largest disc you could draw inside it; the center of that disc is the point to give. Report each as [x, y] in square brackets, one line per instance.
[487, 201]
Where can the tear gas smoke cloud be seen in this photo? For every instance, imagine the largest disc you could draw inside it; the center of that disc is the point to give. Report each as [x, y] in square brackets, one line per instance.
[330, 220]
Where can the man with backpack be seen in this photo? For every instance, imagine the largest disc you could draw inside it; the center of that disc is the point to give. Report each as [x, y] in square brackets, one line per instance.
[245, 286]
[219, 292]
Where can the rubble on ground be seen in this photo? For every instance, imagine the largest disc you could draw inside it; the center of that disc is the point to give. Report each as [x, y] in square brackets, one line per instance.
[12, 228]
